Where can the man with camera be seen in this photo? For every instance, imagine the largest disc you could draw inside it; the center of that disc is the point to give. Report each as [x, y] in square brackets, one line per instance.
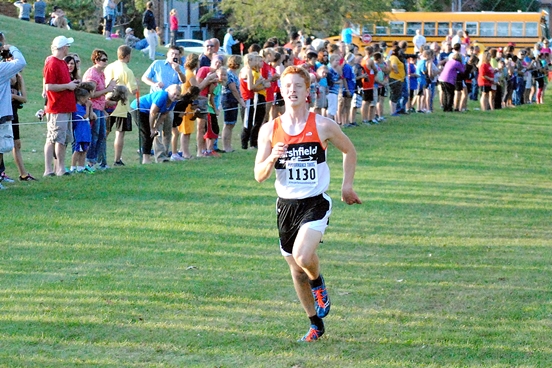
[160, 75]
[13, 63]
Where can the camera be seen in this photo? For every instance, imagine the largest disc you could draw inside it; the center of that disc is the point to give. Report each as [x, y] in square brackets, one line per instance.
[175, 60]
[5, 54]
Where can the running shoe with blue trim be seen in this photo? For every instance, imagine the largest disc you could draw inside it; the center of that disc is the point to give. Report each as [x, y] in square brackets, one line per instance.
[322, 302]
[313, 334]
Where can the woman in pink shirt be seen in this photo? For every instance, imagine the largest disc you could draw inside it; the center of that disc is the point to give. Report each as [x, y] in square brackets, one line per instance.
[97, 151]
[173, 20]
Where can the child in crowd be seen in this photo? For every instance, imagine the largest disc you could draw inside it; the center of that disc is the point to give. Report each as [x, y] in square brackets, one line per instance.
[82, 133]
[212, 131]
[334, 85]
[321, 102]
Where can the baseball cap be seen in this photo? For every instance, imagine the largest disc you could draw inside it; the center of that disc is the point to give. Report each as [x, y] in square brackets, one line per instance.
[128, 30]
[61, 41]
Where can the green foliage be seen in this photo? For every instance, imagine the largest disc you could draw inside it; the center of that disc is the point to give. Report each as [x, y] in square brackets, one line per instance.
[313, 17]
[509, 5]
[83, 14]
[422, 5]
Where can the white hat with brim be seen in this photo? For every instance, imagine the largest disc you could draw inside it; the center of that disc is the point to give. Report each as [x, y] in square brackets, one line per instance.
[61, 41]
[128, 30]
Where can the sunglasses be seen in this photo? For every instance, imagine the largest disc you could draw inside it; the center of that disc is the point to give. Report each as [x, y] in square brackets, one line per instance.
[209, 45]
[104, 60]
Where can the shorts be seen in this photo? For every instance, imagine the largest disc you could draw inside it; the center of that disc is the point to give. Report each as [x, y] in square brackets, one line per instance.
[59, 128]
[230, 110]
[486, 89]
[420, 90]
[395, 90]
[292, 214]
[368, 95]
[357, 100]
[15, 123]
[382, 92]
[278, 99]
[332, 104]
[121, 124]
[459, 85]
[212, 129]
[528, 82]
[81, 146]
[321, 101]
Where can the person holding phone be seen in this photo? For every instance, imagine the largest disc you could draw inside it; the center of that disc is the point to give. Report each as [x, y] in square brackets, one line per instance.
[159, 75]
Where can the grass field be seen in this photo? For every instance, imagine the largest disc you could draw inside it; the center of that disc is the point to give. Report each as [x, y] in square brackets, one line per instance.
[445, 264]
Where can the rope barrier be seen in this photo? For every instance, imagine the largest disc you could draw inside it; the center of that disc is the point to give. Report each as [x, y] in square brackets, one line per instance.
[236, 108]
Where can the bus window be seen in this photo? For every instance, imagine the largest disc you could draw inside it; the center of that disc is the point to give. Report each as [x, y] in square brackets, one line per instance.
[368, 28]
[516, 29]
[442, 29]
[457, 26]
[502, 29]
[411, 27]
[397, 28]
[531, 29]
[471, 28]
[381, 30]
[486, 29]
[429, 29]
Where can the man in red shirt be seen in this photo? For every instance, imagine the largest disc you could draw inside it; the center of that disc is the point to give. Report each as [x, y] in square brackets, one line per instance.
[58, 89]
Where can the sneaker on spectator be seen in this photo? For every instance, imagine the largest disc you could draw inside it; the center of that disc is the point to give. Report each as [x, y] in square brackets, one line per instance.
[119, 163]
[313, 334]
[6, 179]
[176, 157]
[211, 154]
[103, 167]
[2, 187]
[375, 122]
[88, 170]
[27, 177]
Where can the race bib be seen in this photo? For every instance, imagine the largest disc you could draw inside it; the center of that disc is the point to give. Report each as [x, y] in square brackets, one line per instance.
[302, 173]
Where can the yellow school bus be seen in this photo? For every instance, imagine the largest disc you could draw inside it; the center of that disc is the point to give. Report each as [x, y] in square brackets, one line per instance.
[492, 29]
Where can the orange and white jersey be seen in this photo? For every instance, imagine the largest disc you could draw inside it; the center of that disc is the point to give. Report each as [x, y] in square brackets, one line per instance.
[303, 172]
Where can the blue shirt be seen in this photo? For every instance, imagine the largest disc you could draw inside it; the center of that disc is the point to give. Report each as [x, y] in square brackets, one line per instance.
[413, 80]
[333, 77]
[228, 43]
[81, 126]
[159, 99]
[349, 76]
[162, 71]
[40, 9]
[227, 95]
[421, 70]
[347, 35]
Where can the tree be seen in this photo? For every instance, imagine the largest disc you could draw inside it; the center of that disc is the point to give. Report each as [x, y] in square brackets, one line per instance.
[87, 15]
[280, 17]
[509, 5]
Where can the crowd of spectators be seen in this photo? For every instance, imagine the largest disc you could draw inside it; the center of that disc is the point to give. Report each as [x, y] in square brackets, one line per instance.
[199, 94]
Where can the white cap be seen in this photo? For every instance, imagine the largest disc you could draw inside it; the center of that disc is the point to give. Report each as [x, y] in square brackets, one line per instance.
[128, 30]
[61, 41]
